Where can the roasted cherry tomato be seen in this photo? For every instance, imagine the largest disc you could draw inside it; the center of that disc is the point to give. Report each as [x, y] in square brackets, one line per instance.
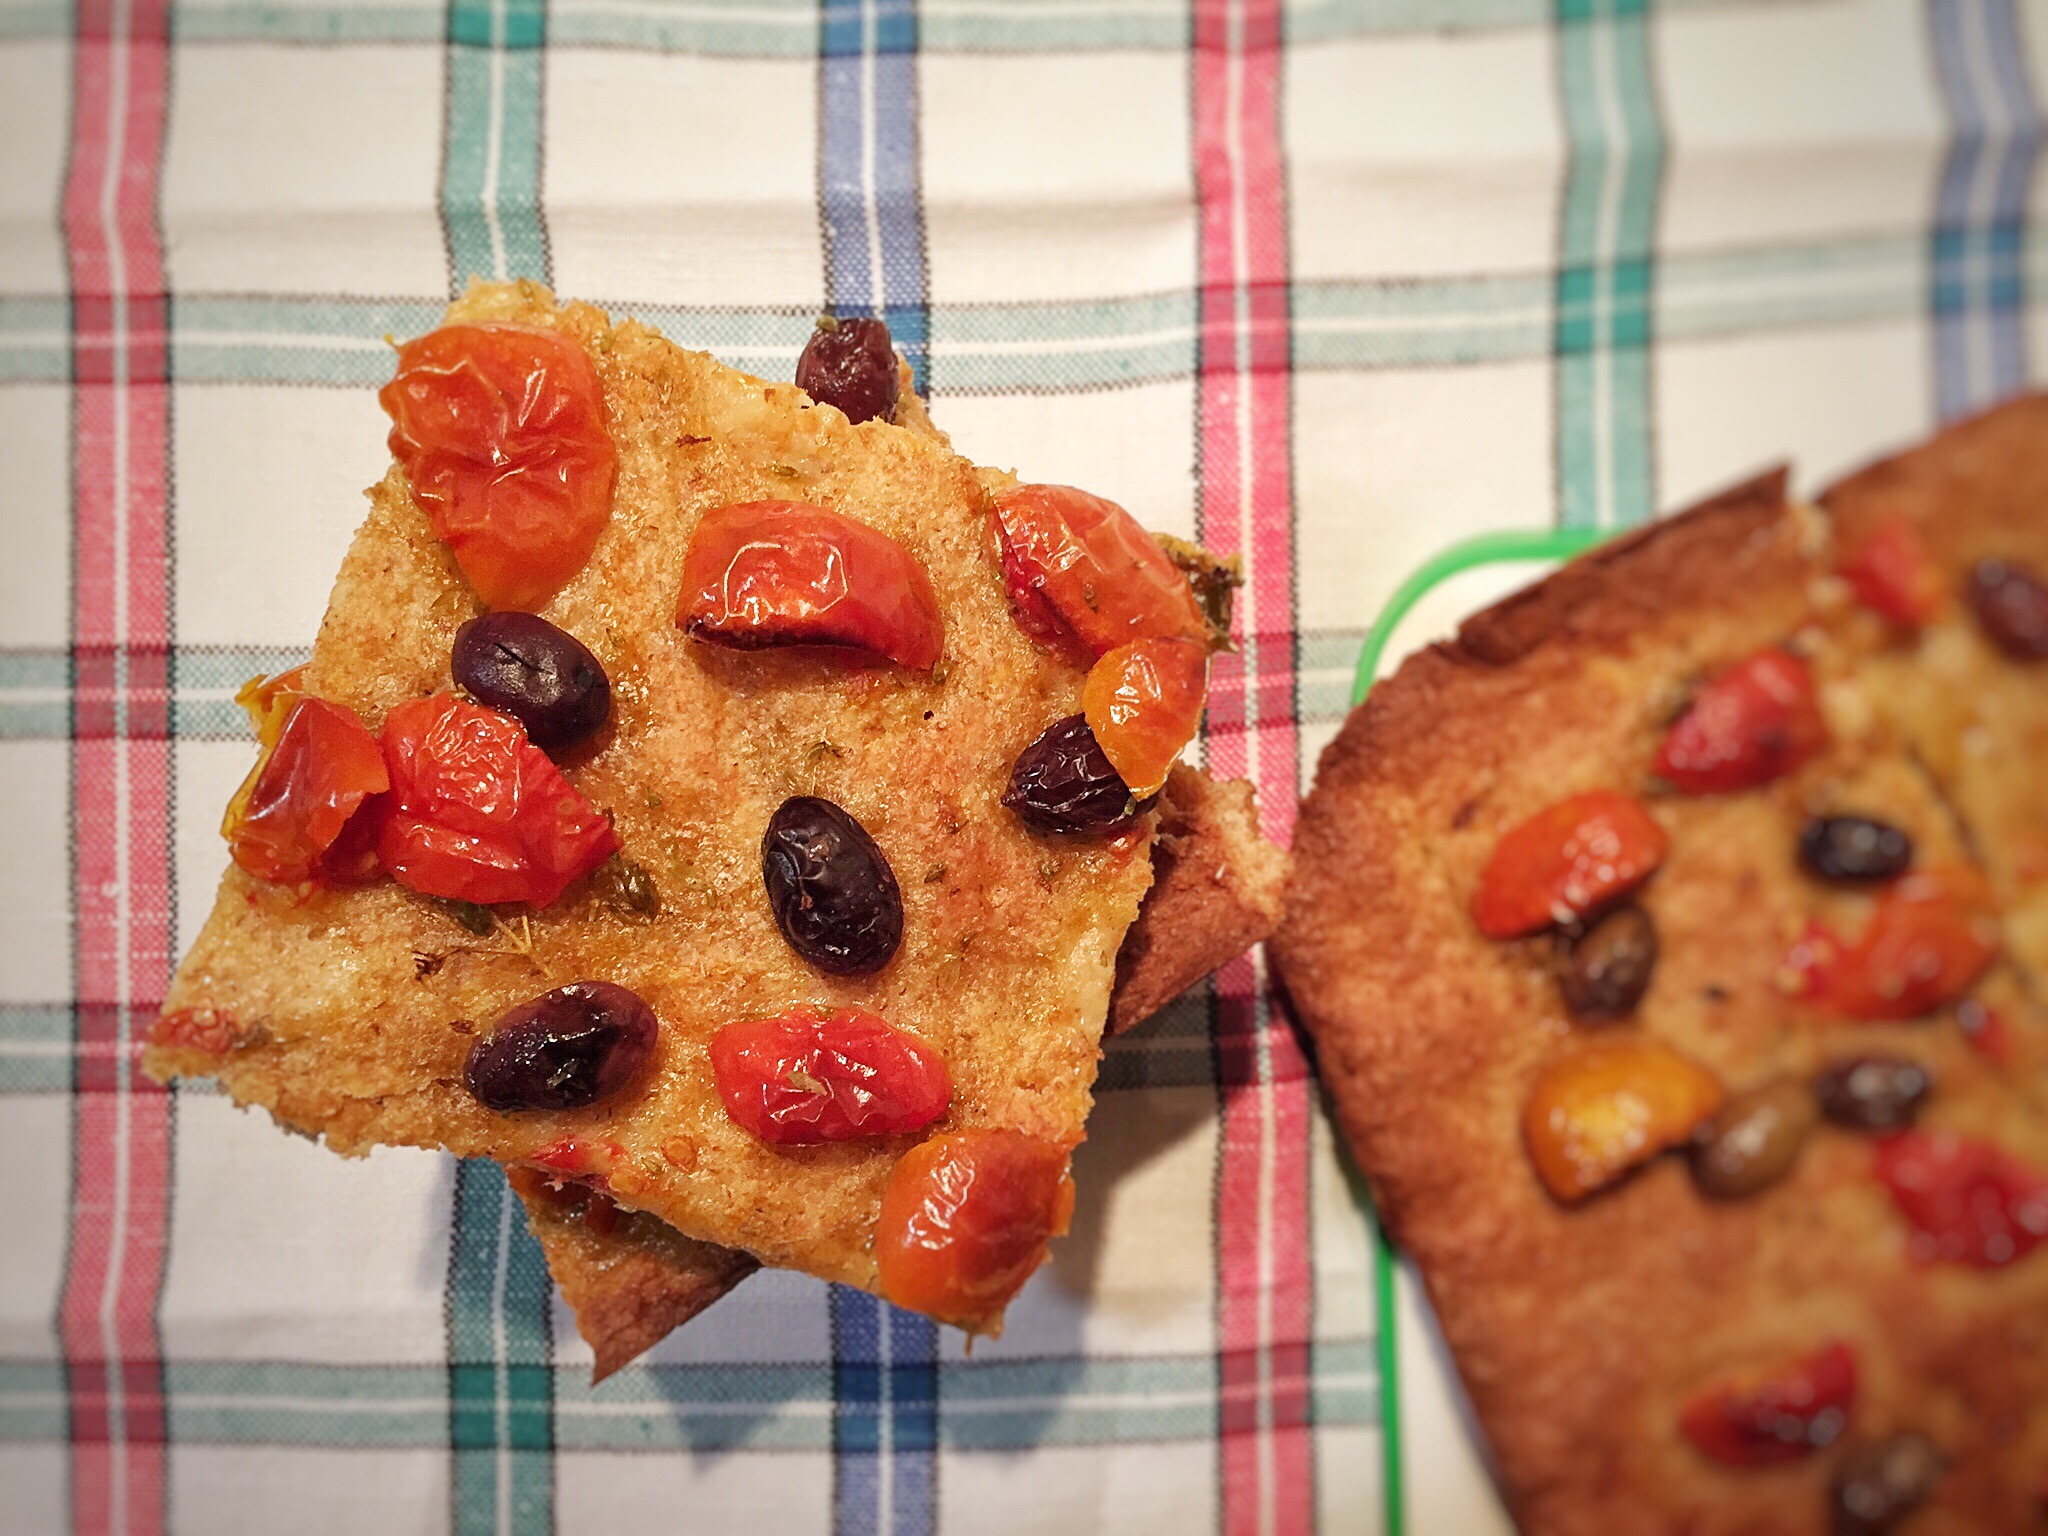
[1892, 574]
[1084, 577]
[810, 1075]
[1144, 703]
[292, 809]
[1969, 1201]
[1567, 860]
[268, 701]
[477, 812]
[1793, 1412]
[1600, 1111]
[768, 573]
[1932, 934]
[500, 430]
[965, 1220]
[1753, 723]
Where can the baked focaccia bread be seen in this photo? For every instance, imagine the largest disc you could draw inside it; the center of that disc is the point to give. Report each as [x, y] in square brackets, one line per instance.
[708, 799]
[1670, 1002]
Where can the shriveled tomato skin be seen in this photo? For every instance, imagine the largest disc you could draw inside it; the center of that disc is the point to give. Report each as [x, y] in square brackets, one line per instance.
[966, 1218]
[1794, 1412]
[501, 432]
[477, 812]
[1567, 860]
[1967, 1200]
[1084, 576]
[1892, 574]
[773, 573]
[810, 1075]
[1932, 933]
[1144, 703]
[322, 767]
[1757, 721]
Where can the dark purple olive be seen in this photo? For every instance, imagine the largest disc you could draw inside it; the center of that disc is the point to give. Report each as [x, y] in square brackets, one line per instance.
[565, 1049]
[1604, 971]
[1854, 848]
[539, 675]
[850, 363]
[1873, 1093]
[1879, 1483]
[1063, 783]
[834, 895]
[2011, 603]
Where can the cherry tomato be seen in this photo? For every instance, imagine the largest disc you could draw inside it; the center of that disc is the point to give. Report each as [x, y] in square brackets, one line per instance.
[1144, 702]
[1598, 1113]
[1753, 723]
[1892, 574]
[1084, 577]
[500, 430]
[477, 812]
[966, 1218]
[1566, 861]
[809, 1076]
[292, 808]
[1932, 934]
[268, 701]
[768, 573]
[1968, 1201]
[1791, 1413]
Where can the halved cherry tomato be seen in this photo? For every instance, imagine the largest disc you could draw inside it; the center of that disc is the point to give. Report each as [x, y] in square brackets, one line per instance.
[1144, 703]
[289, 812]
[1892, 574]
[1933, 933]
[768, 573]
[268, 701]
[1753, 723]
[811, 1075]
[477, 812]
[500, 430]
[1792, 1412]
[1597, 1113]
[966, 1218]
[1085, 577]
[1968, 1201]
[1566, 861]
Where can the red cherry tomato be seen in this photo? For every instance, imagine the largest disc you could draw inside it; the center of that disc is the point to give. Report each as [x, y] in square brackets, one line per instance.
[1892, 574]
[500, 430]
[809, 1076]
[966, 1218]
[1144, 703]
[1084, 577]
[1753, 723]
[479, 813]
[1789, 1414]
[289, 812]
[1566, 861]
[1968, 1201]
[767, 573]
[1932, 934]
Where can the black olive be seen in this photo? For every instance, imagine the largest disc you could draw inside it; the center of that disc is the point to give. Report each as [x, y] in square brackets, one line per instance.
[565, 1049]
[851, 364]
[1753, 1140]
[833, 892]
[1604, 971]
[1873, 1093]
[1854, 848]
[541, 676]
[1879, 1483]
[2011, 603]
[1063, 783]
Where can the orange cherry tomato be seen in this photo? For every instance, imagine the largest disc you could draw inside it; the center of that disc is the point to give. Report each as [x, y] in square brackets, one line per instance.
[810, 1076]
[324, 766]
[1892, 574]
[966, 1218]
[1567, 860]
[1144, 703]
[477, 812]
[1967, 1200]
[500, 430]
[1933, 933]
[1085, 578]
[1603, 1110]
[1793, 1412]
[770, 573]
[1753, 723]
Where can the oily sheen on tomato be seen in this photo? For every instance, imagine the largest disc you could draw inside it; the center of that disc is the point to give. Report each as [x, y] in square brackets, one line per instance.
[1756, 722]
[500, 430]
[1144, 703]
[323, 766]
[477, 812]
[811, 1075]
[1795, 1410]
[1930, 936]
[1567, 860]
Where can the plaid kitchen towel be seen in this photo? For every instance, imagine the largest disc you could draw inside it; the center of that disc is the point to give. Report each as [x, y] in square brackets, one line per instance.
[1327, 283]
